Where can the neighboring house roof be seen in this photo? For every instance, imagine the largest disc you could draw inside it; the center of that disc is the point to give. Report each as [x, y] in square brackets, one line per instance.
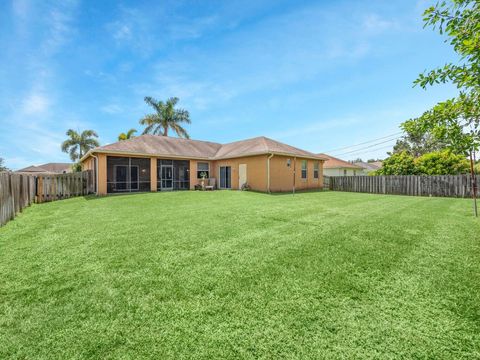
[368, 166]
[378, 164]
[177, 147]
[336, 163]
[56, 168]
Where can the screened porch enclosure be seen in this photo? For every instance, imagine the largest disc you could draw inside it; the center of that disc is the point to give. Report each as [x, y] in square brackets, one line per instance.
[126, 174]
[173, 175]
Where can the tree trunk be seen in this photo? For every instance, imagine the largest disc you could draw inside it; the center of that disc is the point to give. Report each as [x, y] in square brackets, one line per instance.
[165, 131]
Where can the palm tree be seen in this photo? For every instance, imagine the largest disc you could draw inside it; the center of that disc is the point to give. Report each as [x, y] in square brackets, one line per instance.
[128, 135]
[165, 117]
[78, 144]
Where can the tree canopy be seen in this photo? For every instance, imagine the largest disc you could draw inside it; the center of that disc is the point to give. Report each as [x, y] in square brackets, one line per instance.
[2, 165]
[442, 162]
[128, 135]
[166, 117]
[78, 145]
[454, 122]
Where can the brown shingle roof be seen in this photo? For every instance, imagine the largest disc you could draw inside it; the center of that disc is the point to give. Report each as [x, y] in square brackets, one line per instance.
[170, 146]
[163, 145]
[333, 162]
[57, 168]
[259, 145]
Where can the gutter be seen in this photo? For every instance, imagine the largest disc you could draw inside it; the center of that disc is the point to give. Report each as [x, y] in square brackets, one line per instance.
[268, 172]
[96, 173]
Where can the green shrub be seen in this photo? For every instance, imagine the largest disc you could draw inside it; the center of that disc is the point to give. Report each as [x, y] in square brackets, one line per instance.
[442, 163]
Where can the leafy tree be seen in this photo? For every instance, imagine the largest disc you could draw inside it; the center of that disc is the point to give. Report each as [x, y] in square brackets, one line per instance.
[128, 135]
[398, 164]
[78, 144]
[459, 20]
[165, 117]
[442, 163]
[456, 121]
[2, 165]
[435, 163]
[418, 141]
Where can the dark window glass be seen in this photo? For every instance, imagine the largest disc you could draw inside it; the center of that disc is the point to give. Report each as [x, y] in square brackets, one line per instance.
[203, 168]
[304, 169]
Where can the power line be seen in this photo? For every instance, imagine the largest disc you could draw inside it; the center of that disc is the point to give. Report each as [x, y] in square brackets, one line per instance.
[366, 147]
[365, 142]
[372, 150]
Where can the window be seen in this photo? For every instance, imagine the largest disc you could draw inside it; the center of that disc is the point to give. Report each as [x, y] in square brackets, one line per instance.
[289, 162]
[354, 172]
[315, 169]
[344, 172]
[203, 167]
[304, 169]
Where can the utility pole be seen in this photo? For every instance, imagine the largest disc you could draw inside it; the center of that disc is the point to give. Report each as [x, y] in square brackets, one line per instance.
[474, 185]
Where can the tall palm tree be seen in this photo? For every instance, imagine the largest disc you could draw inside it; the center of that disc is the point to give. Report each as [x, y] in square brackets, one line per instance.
[128, 135]
[78, 144]
[165, 117]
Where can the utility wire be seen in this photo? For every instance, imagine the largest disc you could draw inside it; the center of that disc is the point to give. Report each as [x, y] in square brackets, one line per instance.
[366, 147]
[366, 142]
[372, 150]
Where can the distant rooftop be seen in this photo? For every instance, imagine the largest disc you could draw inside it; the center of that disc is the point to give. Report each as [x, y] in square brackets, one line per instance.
[333, 163]
[51, 168]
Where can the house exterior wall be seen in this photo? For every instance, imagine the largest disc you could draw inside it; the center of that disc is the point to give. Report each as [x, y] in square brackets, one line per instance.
[340, 172]
[256, 171]
[282, 175]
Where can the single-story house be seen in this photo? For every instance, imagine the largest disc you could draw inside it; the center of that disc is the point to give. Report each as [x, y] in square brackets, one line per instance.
[49, 168]
[337, 167]
[160, 163]
[368, 167]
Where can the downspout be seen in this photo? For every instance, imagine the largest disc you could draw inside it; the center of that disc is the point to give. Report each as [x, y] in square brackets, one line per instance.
[294, 172]
[96, 173]
[268, 172]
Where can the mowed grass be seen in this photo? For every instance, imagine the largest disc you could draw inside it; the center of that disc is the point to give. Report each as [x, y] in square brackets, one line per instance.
[230, 274]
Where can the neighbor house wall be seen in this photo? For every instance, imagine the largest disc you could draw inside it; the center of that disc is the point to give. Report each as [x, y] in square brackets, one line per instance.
[340, 172]
[282, 175]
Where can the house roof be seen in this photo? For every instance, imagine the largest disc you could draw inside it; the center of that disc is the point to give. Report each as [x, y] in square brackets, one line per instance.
[367, 166]
[186, 148]
[57, 168]
[334, 163]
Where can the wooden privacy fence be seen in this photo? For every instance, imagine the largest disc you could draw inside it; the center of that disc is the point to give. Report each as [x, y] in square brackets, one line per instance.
[63, 186]
[414, 185]
[18, 191]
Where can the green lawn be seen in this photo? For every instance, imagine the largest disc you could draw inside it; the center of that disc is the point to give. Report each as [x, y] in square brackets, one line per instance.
[241, 275]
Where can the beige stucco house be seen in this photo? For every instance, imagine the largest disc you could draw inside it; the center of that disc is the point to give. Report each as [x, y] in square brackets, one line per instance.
[160, 163]
[337, 167]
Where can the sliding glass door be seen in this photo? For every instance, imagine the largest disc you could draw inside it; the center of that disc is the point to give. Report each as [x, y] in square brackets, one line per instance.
[225, 177]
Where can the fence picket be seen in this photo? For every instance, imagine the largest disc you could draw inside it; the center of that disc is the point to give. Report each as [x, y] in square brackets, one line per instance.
[413, 185]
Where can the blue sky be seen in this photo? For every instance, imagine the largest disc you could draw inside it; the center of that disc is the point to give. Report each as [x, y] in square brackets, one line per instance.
[319, 75]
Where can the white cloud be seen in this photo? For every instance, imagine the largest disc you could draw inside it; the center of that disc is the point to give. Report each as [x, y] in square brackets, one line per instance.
[112, 109]
[374, 24]
[36, 104]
